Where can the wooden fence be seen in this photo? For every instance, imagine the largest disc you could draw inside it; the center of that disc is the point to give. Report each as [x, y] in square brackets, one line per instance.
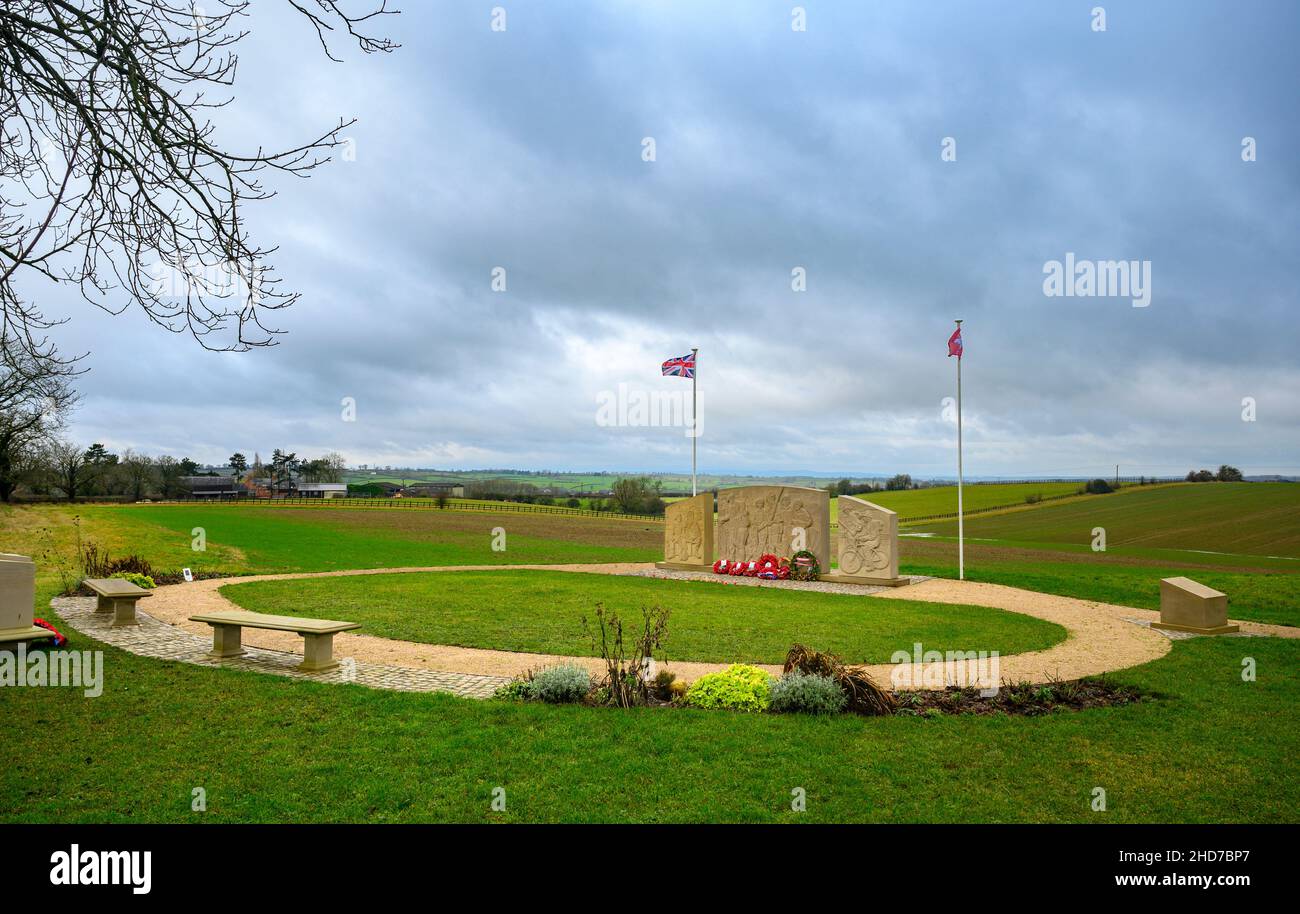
[421, 504]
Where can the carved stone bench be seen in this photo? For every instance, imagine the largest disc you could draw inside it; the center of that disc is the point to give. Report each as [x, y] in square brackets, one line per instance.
[318, 654]
[118, 597]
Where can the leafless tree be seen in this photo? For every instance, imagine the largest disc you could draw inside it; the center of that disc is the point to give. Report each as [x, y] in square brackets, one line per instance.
[111, 178]
[69, 467]
[36, 397]
[138, 474]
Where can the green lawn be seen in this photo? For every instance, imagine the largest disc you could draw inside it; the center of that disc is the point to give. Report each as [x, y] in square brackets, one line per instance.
[265, 749]
[539, 612]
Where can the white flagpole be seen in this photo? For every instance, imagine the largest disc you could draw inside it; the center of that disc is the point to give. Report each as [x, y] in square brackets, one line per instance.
[961, 532]
[695, 429]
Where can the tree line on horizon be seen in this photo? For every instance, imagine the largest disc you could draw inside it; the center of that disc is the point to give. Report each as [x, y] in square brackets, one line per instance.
[1226, 474]
[62, 469]
[628, 495]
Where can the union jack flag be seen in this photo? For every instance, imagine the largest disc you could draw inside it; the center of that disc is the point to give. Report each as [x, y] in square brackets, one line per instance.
[681, 367]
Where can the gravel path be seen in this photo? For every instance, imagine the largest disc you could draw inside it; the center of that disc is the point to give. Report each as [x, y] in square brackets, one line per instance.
[1102, 637]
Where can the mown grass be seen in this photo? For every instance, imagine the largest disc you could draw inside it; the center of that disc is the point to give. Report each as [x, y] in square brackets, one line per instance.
[1213, 749]
[539, 611]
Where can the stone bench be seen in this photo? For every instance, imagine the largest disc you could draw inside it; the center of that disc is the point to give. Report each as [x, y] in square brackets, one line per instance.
[118, 597]
[30, 633]
[318, 634]
[1186, 606]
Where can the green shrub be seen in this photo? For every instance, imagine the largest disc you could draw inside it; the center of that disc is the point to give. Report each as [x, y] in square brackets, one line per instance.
[515, 690]
[737, 688]
[139, 580]
[807, 693]
[560, 684]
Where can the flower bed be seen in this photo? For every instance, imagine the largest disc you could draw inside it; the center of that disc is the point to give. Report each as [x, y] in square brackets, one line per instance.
[812, 682]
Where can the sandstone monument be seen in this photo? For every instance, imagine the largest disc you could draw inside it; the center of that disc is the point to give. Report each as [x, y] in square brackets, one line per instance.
[781, 520]
[868, 542]
[688, 532]
[18, 599]
[1186, 606]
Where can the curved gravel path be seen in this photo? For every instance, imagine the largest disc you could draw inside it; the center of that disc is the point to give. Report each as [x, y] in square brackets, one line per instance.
[1102, 637]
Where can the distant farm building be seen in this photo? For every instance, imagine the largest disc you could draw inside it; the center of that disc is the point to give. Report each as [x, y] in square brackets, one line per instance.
[322, 489]
[212, 486]
[434, 490]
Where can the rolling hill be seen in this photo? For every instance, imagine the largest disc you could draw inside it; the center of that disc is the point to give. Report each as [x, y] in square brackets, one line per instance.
[1232, 517]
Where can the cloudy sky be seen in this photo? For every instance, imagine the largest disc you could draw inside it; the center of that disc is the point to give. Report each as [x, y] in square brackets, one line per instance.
[775, 149]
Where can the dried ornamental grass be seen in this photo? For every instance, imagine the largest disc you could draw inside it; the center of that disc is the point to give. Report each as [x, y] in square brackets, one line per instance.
[864, 696]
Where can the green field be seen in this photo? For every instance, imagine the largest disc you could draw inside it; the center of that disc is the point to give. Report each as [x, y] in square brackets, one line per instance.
[1151, 533]
[539, 612]
[1229, 518]
[1252, 595]
[912, 503]
[389, 757]
[577, 483]
[245, 538]
[909, 503]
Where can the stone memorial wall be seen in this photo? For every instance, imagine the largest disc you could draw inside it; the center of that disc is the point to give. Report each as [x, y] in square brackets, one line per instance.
[688, 531]
[868, 539]
[753, 520]
[17, 591]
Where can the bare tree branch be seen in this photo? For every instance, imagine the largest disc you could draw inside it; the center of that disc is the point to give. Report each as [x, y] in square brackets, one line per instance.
[111, 178]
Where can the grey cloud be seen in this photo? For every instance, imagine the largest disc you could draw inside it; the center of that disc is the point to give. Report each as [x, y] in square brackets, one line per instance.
[776, 150]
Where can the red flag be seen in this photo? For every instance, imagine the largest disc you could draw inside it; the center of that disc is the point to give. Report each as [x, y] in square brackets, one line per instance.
[954, 343]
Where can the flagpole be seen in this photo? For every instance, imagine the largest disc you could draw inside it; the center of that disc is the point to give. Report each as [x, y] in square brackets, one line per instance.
[695, 428]
[961, 532]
